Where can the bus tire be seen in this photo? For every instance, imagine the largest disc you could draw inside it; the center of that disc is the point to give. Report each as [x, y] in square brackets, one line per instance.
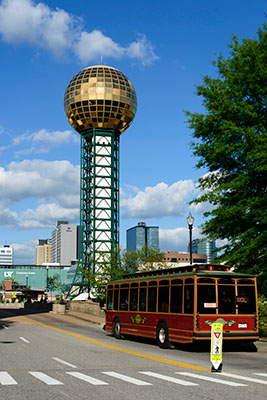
[117, 328]
[162, 335]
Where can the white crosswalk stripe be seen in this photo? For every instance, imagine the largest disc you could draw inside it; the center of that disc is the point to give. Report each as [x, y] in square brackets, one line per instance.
[45, 378]
[6, 379]
[127, 379]
[168, 378]
[64, 362]
[210, 379]
[245, 378]
[87, 378]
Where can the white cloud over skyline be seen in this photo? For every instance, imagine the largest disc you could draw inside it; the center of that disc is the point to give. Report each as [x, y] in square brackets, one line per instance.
[24, 21]
[160, 200]
[40, 179]
[52, 187]
[175, 239]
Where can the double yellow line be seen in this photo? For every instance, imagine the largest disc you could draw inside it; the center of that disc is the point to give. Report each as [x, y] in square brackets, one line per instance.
[110, 346]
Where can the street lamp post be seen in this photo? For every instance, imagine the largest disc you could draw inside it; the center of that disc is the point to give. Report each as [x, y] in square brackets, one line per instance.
[190, 222]
[47, 268]
[27, 280]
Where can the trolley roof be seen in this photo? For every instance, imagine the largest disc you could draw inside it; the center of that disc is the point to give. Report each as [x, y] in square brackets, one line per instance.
[191, 269]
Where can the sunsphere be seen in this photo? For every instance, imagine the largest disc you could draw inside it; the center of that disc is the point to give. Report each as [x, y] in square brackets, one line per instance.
[100, 96]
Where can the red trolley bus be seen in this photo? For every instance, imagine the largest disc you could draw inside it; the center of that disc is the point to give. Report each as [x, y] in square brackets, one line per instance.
[180, 304]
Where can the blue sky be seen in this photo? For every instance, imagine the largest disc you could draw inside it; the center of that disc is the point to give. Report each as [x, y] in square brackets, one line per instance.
[164, 48]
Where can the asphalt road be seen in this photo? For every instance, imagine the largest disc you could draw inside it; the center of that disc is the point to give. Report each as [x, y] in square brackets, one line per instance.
[47, 356]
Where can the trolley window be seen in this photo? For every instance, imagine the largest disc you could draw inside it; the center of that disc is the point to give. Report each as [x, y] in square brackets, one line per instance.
[152, 297]
[116, 299]
[176, 298]
[109, 299]
[246, 300]
[226, 299]
[133, 299]
[142, 298]
[188, 298]
[124, 299]
[206, 299]
[163, 297]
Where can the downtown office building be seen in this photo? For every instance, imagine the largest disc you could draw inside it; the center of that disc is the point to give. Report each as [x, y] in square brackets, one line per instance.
[6, 255]
[141, 235]
[65, 243]
[205, 246]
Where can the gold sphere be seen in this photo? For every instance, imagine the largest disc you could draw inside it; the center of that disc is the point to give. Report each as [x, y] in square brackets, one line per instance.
[100, 97]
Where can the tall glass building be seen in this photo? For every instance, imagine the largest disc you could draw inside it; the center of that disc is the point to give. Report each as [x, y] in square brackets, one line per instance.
[141, 235]
[205, 246]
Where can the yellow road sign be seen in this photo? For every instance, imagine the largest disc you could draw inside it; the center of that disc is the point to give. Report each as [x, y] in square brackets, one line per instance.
[216, 344]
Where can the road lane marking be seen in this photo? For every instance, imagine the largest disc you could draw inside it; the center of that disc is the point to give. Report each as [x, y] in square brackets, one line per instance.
[6, 379]
[24, 340]
[45, 378]
[127, 378]
[260, 374]
[64, 362]
[210, 379]
[87, 378]
[109, 346]
[245, 378]
[169, 378]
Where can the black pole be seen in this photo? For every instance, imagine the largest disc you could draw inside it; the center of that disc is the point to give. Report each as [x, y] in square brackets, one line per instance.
[190, 243]
[47, 279]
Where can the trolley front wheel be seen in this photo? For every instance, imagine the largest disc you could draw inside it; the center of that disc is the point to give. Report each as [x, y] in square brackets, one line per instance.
[117, 328]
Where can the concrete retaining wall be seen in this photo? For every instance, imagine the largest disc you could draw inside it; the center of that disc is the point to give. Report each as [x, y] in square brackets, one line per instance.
[12, 305]
[88, 307]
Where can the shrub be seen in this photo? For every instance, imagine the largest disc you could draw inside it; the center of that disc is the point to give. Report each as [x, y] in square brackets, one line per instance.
[262, 305]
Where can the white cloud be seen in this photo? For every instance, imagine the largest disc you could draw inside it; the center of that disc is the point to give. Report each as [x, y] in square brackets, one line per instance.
[47, 138]
[201, 208]
[46, 214]
[39, 179]
[8, 218]
[176, 239]
[142, 50]
[92, 46]
[158, 201]
[24, 253]
[53, 186]
[23, 21]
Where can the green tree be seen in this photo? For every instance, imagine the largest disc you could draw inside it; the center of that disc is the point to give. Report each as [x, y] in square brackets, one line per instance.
[146, 258]
[231, 143]
[54, 283]
[116, 264]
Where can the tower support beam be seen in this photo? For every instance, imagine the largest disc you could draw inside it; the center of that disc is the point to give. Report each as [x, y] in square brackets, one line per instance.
[99, 200]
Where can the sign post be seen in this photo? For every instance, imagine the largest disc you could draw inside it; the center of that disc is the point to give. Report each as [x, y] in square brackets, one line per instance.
[216, 347]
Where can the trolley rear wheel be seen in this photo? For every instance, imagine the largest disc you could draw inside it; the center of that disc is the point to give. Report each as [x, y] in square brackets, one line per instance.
[163, 335]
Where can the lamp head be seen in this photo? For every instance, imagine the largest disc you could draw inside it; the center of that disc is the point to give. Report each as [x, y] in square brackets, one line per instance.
[190, 220]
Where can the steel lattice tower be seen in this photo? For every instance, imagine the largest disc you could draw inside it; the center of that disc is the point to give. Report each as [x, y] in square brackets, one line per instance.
[100, 104]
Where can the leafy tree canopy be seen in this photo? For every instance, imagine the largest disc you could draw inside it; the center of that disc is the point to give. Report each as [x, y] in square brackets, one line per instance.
[230, 140]
[54, 283]
[120, 262]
